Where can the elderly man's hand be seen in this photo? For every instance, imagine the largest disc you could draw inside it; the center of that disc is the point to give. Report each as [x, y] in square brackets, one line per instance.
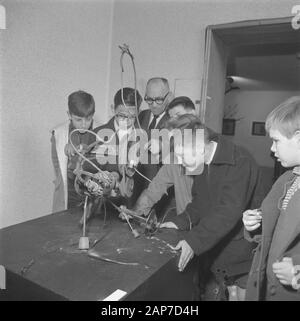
[187, 254]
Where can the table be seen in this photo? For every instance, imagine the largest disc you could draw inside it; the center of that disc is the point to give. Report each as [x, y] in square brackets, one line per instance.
[43, 262]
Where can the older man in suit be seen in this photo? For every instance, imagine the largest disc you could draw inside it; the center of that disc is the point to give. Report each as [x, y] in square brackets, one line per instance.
[157, 96]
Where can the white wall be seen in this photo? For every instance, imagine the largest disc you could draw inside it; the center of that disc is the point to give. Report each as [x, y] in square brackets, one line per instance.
[167, 37]
[49, 49]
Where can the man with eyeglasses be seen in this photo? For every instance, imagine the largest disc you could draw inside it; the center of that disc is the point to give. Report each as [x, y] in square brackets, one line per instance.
[158, 97]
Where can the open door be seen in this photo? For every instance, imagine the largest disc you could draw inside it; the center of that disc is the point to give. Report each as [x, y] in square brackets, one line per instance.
[213, 82]
[219, 41]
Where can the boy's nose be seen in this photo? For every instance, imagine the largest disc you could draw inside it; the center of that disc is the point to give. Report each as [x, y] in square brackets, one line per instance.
[84, 123]
[273, 147]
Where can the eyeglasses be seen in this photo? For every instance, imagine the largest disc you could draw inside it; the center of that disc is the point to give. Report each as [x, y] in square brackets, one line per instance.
[157, 100]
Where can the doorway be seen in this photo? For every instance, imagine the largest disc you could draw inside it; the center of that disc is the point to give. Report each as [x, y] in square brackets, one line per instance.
[249, 68]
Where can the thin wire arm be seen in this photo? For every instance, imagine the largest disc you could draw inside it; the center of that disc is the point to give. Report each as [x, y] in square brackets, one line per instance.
[125, 50]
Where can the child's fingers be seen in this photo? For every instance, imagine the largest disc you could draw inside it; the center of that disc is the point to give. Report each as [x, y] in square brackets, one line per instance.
[252, 227]
[168, 225]
[287, 259]
[281, 266]
[251, 222]
[284, 282]
[280, 275]
[251, 219]
[250, 212]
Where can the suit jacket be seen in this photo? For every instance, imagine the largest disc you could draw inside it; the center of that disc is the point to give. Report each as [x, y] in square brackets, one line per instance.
[270, 213]
[144, 118]
[220, 195]
[150, 170]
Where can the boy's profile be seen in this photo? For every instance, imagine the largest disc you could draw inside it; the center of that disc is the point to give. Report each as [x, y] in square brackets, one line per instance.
[275, 227]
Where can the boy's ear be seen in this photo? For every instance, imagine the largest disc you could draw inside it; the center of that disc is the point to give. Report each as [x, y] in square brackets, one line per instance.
[297, 136]
[69, 115]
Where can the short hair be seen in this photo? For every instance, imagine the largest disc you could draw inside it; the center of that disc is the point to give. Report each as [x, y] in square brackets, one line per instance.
[189, 121]
[159, 79]
[129, 96]
[186, 102]
[285, 118]
[81, 104]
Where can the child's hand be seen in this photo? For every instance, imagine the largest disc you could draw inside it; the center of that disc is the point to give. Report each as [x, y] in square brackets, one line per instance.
[69, 150]
[252, 219]
[168, 225]
[284, 270]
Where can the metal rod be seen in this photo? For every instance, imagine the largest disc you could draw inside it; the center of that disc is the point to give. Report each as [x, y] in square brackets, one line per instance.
[127, 211]
[84, 215]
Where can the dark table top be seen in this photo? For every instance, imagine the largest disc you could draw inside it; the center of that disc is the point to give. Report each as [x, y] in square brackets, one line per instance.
[45, 252]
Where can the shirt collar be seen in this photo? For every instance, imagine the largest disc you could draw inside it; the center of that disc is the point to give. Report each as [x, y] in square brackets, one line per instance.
[296, 170]
[157, 119]
[224, 153]
[213, 151]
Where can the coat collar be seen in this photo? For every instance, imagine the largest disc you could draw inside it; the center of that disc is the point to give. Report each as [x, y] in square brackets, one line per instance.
[225, 151]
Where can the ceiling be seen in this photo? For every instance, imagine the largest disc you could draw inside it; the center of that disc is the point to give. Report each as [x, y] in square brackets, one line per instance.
[267, 55]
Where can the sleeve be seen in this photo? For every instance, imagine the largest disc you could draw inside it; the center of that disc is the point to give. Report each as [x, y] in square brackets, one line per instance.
[225, 213]
[252, 237]
[192, 213]
[160, 183]
[296, 259]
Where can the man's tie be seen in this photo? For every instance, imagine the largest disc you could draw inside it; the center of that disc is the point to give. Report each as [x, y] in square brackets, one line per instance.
[153, 122]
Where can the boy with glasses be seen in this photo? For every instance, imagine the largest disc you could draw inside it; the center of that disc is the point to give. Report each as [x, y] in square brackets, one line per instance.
[117, 133]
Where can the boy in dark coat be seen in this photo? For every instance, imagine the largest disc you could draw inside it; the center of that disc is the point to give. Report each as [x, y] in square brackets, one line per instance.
[213, 220]
[275, 272]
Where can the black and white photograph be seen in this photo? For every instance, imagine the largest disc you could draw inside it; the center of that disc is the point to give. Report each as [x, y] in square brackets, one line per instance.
[150, 151]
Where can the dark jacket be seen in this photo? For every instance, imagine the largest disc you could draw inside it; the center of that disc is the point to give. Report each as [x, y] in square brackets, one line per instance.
[144, 118]
[115, 167]
[150, 170]
[270, 213]
[219, 198]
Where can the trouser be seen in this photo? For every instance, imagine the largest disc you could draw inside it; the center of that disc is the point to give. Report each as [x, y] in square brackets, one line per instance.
[220, 289]
[214, 286]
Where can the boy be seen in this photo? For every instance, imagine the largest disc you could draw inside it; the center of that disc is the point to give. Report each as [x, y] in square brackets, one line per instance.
[107, 157]
[275, 272]
[170, 174]
[180, 106]
[81, 110]
[213, 218]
